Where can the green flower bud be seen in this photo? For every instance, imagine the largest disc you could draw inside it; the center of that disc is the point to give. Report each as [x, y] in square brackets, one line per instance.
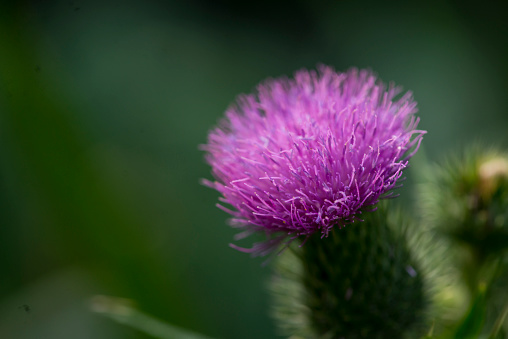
[467, 200]
[465, 205]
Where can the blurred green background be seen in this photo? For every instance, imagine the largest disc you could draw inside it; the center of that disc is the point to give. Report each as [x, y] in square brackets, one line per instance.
[103, 106]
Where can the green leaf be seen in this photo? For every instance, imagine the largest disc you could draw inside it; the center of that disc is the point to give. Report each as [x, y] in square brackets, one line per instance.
[472, 324]
[499, 323]
[430, 334]
[123, 311]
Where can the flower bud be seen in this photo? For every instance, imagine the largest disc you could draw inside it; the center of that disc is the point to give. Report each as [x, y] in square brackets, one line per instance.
[363, 281]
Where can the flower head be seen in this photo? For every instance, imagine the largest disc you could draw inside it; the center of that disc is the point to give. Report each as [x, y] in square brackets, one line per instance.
[305, 154]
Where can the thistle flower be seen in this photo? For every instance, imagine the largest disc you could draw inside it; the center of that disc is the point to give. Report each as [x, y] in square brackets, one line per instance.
[305, 154]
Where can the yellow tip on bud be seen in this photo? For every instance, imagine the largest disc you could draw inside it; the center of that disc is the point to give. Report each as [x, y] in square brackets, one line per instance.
[491, 172]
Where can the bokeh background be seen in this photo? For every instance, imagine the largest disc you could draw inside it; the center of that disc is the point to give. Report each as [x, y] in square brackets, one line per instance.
[103, 105]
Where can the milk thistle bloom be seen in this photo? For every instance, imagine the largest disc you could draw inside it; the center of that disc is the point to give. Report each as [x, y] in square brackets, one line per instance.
[303, 155]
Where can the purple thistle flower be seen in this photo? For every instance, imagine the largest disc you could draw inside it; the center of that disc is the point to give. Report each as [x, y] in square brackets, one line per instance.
[304, 154]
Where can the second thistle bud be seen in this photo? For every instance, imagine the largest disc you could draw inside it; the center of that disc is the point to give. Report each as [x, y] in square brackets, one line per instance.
[465, 204]
[467, 199]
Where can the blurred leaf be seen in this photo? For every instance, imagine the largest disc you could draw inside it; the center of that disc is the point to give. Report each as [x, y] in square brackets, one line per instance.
[123, 311]
[430, 334]
[496, 331]
[472, 324]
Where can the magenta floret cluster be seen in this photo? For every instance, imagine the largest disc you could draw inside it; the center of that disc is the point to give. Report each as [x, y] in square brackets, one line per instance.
[303, 155]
